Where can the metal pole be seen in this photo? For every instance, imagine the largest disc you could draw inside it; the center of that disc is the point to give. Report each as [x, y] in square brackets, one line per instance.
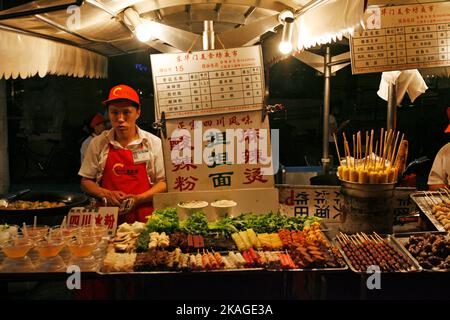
[326, 111]
[208, 35]
[4, 163]
[391, 107]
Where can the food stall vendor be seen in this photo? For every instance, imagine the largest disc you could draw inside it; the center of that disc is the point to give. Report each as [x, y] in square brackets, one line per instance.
[124, 162]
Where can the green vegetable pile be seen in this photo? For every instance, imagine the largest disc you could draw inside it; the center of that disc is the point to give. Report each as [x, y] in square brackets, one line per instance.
[197, 223]
[142, 242]
[163, 221]
[224, 226]
[271, 222]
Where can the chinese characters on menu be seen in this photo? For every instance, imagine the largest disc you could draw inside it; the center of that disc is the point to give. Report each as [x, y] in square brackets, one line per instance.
[407, 37]
[208, 82]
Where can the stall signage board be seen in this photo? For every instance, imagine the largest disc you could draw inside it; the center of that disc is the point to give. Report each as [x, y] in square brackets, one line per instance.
[208, 82]
[218, 152]
[325, 201]
[82, 216]
[403, 37]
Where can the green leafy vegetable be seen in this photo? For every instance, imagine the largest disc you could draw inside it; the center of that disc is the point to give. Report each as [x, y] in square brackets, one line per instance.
[142, 242]
[163, 221]
[224, 226]
[197, 223]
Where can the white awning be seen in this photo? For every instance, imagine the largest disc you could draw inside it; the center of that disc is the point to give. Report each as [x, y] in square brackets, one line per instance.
[25, 56]
[329, 22]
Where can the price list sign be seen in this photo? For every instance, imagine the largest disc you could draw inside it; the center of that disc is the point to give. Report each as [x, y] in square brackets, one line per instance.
[403, 37]
[208, 82]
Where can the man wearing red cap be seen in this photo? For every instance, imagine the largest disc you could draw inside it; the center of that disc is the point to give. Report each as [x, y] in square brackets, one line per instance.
[440, 171]
[126, 161]
[96, 126]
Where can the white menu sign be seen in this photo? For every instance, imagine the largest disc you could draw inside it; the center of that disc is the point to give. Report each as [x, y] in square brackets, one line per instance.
[208, 82]
[403, 37]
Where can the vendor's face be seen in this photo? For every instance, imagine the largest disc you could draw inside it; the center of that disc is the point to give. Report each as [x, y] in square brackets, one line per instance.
[123, 115]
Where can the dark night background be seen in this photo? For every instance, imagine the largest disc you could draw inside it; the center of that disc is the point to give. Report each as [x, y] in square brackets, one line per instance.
[297, 86]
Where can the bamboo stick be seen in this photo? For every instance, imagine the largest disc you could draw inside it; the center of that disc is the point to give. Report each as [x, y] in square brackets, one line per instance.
[337, 148]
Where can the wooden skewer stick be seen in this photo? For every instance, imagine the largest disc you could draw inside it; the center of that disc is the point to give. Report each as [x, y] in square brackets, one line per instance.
[348, 152]
[393, 150]
[354, 152]
[370, 147]
[378, 236]
[375, 160]
[337, 148]
[381, 141]
[366, 150]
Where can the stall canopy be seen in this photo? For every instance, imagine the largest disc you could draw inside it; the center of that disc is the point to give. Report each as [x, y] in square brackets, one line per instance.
[68, 37]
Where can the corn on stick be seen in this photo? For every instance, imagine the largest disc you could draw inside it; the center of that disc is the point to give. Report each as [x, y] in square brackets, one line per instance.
[396, 156]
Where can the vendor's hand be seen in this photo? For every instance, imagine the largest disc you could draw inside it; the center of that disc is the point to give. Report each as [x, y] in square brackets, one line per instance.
[137, 200]
[114, 198]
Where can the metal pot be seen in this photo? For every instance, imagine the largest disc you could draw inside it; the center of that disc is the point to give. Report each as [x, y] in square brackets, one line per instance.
[367, 207]
[50, 216]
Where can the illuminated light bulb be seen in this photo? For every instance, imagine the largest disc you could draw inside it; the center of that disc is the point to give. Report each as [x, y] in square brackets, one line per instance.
[285, 47]
[144, 31]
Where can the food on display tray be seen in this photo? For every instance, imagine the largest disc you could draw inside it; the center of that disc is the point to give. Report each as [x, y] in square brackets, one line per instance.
[364, 164]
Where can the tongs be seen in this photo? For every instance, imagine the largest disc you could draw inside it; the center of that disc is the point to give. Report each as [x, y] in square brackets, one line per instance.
[4, 202]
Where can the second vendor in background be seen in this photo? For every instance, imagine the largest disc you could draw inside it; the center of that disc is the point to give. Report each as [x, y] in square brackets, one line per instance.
[126, 161]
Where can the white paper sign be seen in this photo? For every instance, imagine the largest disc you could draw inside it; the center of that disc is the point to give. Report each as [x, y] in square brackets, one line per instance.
[208, 82]
[107, 216]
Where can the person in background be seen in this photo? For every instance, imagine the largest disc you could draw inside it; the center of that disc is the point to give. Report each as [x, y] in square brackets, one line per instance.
[96, 126]
[439, 174]
[332, 129]
[125, 161]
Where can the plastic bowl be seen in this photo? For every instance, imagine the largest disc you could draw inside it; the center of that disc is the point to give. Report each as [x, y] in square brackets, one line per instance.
[50, 248]
[83, 247]
[18, 247]
[223, 207]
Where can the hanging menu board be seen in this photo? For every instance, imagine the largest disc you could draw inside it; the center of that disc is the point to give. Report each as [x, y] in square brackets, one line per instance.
[403, 37]
[208, 82]
[219, 152]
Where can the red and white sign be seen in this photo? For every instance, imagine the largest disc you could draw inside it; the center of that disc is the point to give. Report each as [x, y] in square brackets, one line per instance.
[82, 216]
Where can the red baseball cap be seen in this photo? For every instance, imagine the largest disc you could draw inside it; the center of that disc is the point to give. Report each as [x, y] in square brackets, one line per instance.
[96, 120]
[122, 91]
[447, 130]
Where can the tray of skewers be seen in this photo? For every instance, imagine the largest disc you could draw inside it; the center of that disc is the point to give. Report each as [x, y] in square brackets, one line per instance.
[431, 250]
[436, 206]
[362, 251]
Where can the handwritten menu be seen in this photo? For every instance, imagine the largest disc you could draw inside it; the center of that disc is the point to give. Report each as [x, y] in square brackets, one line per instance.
[403, 37]
[325, 201]
[106, 216]
[218, 152]
[208, 82]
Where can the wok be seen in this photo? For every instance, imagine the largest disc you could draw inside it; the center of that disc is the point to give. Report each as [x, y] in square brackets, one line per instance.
[49, 216]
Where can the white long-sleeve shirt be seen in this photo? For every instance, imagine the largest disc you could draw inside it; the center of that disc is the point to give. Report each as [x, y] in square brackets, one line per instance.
[439, 173]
